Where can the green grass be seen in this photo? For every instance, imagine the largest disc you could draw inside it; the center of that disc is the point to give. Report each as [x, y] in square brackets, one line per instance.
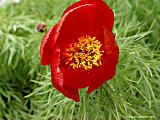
[26, 91]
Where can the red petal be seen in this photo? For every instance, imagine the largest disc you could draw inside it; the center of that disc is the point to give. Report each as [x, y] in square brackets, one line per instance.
[103, 12]
[110, 60]
[79, 3]
[76, 78]
[59, 83]
[85, 19]
[47, 46]
[75, 23]
[105, 15]
[74, 5]
[83, 2]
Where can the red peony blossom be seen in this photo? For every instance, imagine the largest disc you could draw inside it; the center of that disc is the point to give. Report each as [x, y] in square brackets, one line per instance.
[81, 48]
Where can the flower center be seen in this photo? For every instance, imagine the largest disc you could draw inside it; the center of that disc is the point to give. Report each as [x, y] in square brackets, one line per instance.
[85, 53]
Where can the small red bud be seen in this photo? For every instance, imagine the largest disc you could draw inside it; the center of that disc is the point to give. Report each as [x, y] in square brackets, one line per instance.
[41, 27]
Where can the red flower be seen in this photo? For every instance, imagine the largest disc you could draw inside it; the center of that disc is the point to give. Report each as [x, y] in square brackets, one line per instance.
[81, 48]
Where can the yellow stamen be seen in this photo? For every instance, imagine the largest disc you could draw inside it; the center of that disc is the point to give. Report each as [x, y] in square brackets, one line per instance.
[85, 53]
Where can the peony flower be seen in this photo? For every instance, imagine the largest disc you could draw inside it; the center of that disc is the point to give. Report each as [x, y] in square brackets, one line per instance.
[81, 48]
